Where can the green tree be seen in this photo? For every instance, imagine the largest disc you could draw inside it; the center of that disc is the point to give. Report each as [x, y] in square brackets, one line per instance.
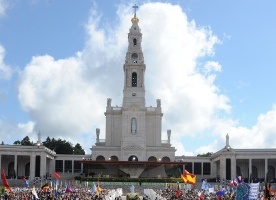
[209, 154]
[17, 142]
[59, 146]
[26, 141]
[78, 150]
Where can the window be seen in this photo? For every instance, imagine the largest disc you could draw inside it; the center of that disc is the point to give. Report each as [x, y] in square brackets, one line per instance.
[206, 168]
[197, 168]
[134, 41]
[134, 79]
[59, 166]
[189, 167]
[133, 126]
[134, 58]
[68, 166]
[77, 166]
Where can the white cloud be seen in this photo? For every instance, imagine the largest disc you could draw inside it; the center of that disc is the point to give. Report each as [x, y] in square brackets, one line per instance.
[3, 7]
[258, 136]
[57, 97]
[5, 70]
[212, 66]
[8, 129]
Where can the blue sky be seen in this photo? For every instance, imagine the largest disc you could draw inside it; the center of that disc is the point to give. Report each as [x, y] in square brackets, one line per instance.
[212, 63]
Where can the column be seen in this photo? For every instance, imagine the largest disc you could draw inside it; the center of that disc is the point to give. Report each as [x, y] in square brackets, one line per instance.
[214, 169]
[266, 168]
[32, 167]
[81, 167]
[202, 169]
[63, 166]
[250, 168]
[43, 165]
[52, 166]
[0, 161]
[233, 167]
[222, 167]
[73, 162]
[15, 165]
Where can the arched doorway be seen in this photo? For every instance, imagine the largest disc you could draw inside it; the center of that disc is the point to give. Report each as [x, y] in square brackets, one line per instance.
[133, 158]
[152, 159]
[113, 158]
[100, 158]
[166, 159]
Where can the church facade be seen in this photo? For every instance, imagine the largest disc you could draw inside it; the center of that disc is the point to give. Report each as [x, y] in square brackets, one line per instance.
[133, 134]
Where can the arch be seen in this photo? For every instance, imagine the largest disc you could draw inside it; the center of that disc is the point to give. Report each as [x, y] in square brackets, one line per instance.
[113, 158]
[254, 172]
[166, 159]
[132, 158]
[134, 57]
[134, 79]
[152, 159]
[134, 41]
[100, 158]
[133, 125]
[271, 172]
[27, 169]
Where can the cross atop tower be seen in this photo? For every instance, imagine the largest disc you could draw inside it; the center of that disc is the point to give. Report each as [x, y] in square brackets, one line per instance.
[135, 8]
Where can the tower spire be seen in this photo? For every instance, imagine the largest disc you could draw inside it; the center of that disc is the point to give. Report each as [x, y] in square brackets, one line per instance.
[135, 20]
[135, 7]
[227, 145]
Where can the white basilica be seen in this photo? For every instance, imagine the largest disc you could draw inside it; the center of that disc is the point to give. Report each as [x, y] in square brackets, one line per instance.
[133, 144]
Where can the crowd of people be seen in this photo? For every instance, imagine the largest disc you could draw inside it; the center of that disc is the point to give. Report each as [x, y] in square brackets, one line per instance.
[80, 192]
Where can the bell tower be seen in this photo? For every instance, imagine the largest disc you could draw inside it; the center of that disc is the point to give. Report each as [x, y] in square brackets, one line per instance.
[134, 68]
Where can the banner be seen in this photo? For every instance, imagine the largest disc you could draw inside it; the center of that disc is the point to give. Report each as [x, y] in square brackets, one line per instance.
[254, 191]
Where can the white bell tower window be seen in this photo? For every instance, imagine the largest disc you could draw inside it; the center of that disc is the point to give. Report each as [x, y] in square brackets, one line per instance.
[134, 79]
[134, 58]
[134, 42]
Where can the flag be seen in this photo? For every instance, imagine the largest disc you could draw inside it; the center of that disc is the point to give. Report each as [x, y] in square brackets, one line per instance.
[233, 183]
[34, 193]
[220, 193]
[99, 189]
[5, 182]
[56, 175]
[205, 185]
[68, 189]
[188, 177]
[94, 188]
[25, 181]
[45, 187]
[55, 187]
